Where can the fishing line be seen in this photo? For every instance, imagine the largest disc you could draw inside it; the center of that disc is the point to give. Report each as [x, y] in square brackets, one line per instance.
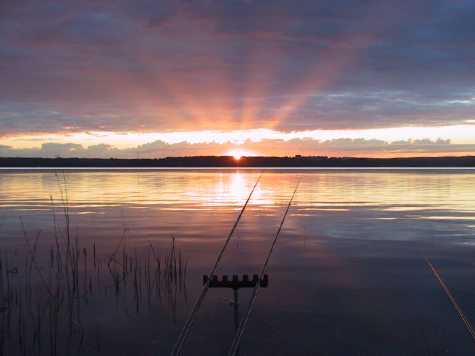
[242, 325]
[464, 319]
[199, 301]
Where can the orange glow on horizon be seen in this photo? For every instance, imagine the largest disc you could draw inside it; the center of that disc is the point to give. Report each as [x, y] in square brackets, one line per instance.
[238, 154]
[454, 140]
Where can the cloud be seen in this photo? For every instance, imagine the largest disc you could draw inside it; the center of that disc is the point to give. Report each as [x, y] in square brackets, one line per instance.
[269, 147]
[198, 64]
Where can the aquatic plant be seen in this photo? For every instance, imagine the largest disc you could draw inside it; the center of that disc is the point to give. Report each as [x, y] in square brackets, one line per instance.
[45, 293]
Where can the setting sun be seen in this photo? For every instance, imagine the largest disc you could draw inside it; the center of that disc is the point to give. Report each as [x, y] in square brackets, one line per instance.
[237, 154]
[202, 97]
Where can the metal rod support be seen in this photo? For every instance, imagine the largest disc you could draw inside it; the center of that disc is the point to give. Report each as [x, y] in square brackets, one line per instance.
[181, 339]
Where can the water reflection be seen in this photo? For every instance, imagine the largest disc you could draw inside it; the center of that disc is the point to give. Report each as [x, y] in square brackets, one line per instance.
[45, 294]
[214, 188]
[348, 276]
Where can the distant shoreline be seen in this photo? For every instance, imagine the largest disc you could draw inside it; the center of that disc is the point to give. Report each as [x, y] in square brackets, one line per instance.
[243, 162]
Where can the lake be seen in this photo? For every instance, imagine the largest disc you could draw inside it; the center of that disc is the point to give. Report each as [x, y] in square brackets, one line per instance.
[111, 262]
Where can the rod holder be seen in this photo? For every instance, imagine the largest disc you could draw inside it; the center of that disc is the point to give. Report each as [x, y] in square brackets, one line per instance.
[236, 283]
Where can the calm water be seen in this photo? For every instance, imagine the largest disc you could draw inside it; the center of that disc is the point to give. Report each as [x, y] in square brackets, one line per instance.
[348, 275]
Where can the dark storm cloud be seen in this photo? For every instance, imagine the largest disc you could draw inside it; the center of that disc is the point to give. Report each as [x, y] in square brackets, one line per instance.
[195, 65]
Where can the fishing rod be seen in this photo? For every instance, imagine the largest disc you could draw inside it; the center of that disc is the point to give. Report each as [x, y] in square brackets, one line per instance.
[199, 301]
[242, 325]
[464, 319]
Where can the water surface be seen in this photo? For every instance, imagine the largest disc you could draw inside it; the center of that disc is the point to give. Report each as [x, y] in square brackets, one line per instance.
[348, 275]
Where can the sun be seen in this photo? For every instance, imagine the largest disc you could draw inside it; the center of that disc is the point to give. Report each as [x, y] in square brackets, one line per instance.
[237, 154]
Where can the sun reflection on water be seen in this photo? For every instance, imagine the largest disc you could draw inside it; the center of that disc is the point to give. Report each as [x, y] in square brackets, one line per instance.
[351, 239]
[322, 190]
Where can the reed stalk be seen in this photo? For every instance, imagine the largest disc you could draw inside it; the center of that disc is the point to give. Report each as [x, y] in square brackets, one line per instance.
[41, 289]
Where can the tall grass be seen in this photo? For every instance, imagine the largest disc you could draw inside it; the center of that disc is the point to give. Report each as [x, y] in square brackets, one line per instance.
[45, 293]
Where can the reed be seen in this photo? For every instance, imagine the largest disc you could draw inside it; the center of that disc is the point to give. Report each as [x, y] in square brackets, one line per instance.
[42, 300]
[45, 293]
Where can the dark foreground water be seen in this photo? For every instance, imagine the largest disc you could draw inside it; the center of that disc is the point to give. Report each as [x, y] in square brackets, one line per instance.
[102, 262]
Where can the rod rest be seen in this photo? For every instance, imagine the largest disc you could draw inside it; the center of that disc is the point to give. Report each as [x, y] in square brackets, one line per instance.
[235, 283]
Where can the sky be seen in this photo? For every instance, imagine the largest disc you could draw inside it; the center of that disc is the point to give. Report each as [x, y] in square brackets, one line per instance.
[152, 79]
